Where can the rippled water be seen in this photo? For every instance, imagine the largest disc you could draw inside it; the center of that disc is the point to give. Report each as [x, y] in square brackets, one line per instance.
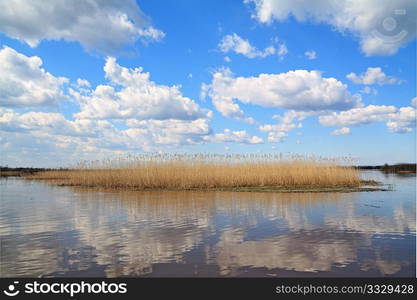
[60, 231]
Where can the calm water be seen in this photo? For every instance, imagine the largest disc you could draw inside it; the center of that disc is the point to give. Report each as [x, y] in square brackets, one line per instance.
[60, 231]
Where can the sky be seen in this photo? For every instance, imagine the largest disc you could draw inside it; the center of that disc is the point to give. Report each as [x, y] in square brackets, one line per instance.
[89, 79]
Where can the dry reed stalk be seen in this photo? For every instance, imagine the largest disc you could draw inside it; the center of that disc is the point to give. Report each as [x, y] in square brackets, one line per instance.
[206, 172]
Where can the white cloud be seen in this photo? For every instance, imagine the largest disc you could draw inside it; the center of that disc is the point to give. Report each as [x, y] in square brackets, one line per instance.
[240, 137]
[397, 120]
[50, 133]
[279, 127]
[23, 83]
[372, 76]
[341, 131]
[276, 136]
[174, 132]
[414, 101]
[155, 115]
[277, 132]
[368, 90]
[106, 26]
[403, 121]
[227, 59]
[358, 116]
[300, 90]
[147, 135]
[235, 43]
[311, 54]
[292, 115]
[286, 123]
[380, 25]
[282, 50]
[83, 83]
[50, 123]
[133, 95]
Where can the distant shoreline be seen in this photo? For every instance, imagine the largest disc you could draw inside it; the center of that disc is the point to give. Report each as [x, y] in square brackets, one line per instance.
[397, 168]
[21, 171]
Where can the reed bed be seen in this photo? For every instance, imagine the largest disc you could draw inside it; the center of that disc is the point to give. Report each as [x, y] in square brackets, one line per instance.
[201, 171]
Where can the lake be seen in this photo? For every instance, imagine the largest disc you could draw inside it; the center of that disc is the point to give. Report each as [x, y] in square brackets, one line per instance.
[52, 231]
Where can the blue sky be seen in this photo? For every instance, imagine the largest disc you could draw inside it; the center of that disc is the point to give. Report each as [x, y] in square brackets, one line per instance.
[230, 76]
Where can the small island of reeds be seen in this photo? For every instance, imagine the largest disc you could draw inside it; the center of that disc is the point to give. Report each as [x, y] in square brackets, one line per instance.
[234, 172]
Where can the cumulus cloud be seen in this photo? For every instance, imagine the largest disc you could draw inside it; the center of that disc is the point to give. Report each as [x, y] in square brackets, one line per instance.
[24, 83]
[133, 95]
[286, 123]
[372, 76]
[83, 83]
[279, 127]
[101, 134]
[106, 26]
[397, 120]
[51, 133]
[368, 90]
[358, 116]
[382, 26]
[51, 123]
[290, 120]
[293, 115]
[299, 90]
[151, 115]
[311, 54]
[341, 131]
[234, 43]
[403, 121]
[175, 132]
[240, 137]
[276, 133]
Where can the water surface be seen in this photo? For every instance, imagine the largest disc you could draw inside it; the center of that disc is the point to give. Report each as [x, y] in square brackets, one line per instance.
[62, 231]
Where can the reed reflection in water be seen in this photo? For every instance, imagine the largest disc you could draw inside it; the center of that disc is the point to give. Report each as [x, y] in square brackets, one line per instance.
[61, 231]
